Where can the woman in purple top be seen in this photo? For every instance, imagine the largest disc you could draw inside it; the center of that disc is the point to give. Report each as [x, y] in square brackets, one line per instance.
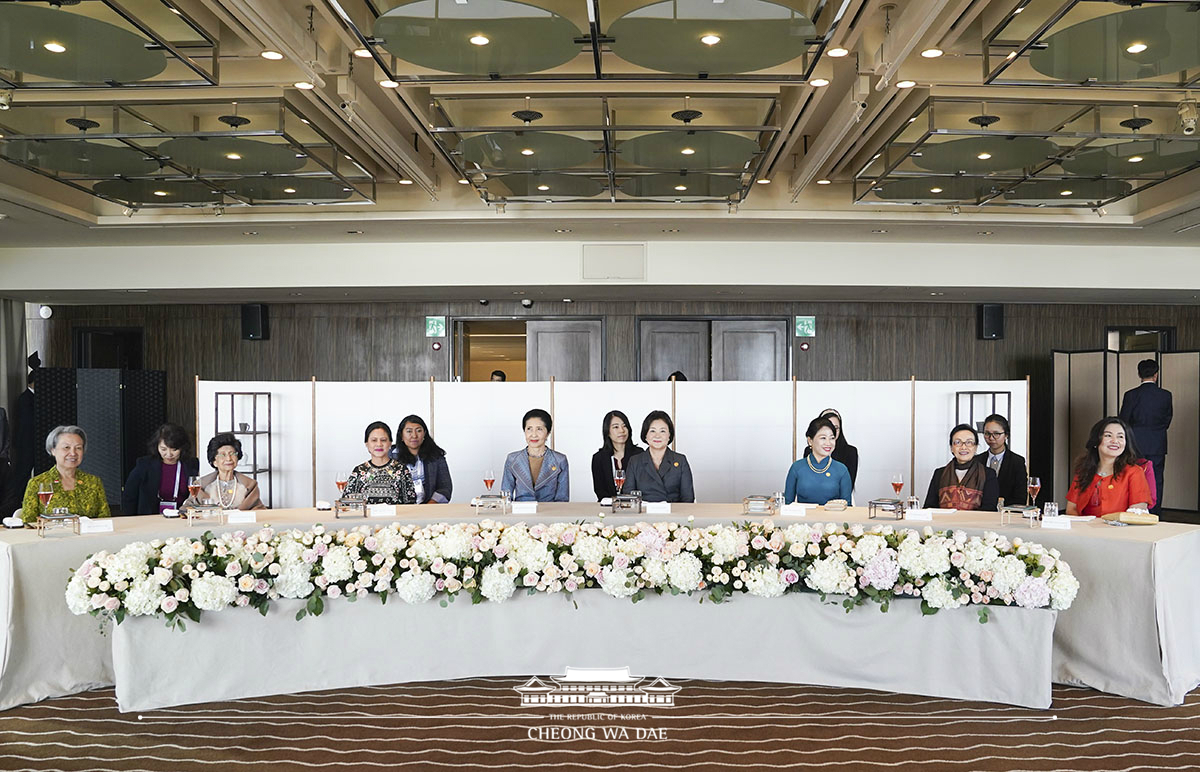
[160, 480]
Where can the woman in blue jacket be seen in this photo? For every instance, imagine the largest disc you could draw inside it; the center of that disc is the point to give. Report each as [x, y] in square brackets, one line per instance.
[536, 473]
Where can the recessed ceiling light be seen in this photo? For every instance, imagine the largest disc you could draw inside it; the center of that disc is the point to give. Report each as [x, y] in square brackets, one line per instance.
[304, 120]
[303, 84]
[681, 187]
[249, 233]
[464, 181]
[688, 151]
[936, 294]
[935, 190]
[160, 192]
[984, 156]
[543, 186]
[819, 82]
[670, 230]
[1065, 192]
[568, 300]
[54, 48]
[838, 52]
[1136, 48]
[527, 151]
[362, 53]
[296, 294]
[906, 84]
[274, 56]
[479, 40]
[710, 40]
[405, 181]
[932, 53]
[1135, 159]
[234, 156]
[353, 233]
[388, 83]
[289, 190]
[984, 233]
[879, 230]
[824, 182]
[562, 230]
[1011, 55]
[763, 181]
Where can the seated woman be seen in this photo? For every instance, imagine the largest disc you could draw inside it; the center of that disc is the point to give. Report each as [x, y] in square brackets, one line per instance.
[844, 453]
[818, 477]
[1106, 478]
[536, 473]
[159, 481]
[660, 473]
[79, 492]
[226, 487]
[425, 461]
[1011, 474]
[380, 479]
[614, 454]
[964, 483]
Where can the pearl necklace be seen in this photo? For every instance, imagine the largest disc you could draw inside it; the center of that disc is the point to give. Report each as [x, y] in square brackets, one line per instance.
[221, 484]
[825, 471]
[539, 455]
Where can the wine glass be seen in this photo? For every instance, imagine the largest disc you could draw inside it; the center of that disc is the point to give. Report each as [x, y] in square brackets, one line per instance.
[897, 483]
[340, 481]
[618, 478]
[489, 479]
[194, 487]
[45, 493]
[1034, 486]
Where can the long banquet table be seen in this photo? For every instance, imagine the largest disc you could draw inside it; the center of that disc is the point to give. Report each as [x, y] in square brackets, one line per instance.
[1134, 629]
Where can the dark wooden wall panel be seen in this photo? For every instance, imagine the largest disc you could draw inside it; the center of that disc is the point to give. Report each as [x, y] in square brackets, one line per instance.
[386, 341]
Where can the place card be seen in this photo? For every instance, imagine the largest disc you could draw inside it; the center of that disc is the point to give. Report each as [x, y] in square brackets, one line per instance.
[794, 510]
[95, 525]
[1060, 522]
[524, 507]
[241, 516]
[918, 514]
[658, 507]
[381, 510]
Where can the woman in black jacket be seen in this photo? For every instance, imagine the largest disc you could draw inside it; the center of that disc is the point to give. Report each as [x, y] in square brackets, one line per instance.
[425, 460]
[160, 480]
[614, 454]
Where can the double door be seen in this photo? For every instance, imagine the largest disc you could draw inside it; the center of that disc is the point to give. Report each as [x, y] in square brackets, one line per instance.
[716, 350]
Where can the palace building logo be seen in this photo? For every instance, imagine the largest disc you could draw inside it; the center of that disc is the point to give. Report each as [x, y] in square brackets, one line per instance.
[596, 687]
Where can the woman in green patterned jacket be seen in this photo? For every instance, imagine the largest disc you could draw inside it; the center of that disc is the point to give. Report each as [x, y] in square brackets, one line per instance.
[79, 492]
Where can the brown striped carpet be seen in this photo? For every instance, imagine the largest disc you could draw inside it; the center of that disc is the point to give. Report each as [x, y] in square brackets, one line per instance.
[479, 724]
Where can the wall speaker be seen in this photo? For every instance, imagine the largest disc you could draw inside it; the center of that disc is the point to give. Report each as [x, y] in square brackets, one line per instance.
[255, 325]
[989, 319]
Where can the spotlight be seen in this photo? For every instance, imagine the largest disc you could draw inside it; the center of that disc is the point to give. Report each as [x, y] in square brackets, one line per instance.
[218, 211]
[274, 56]
[527, 303]
[819, 82]
[45, 312]
[6, 96]
[483, 301]
[932, 53]
[1188, 115]
[837, 52]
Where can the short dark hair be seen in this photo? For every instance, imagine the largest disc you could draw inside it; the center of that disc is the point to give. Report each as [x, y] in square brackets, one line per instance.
[173, 436]
[501, 373]
[429, 449]
[220, 441]
[963, 428]
[541, 415]
[677, 376]
[659, 415]
[377, 425]
[819, 423]
[1147, 368]
[996, 418]
[607, 445]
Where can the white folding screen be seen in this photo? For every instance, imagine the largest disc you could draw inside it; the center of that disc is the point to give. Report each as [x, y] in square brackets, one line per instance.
[579, 408]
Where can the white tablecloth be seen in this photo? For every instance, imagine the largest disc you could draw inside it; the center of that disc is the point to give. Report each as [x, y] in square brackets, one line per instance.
[1134, 629]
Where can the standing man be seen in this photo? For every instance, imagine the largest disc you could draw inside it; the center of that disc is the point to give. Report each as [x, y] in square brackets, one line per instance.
[1147, 409]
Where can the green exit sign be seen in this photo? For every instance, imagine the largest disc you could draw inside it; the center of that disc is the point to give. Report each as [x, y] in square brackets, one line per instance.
[806, 326]
[435, 327]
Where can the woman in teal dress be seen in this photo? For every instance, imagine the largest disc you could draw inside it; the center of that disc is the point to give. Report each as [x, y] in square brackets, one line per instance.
[817, 478]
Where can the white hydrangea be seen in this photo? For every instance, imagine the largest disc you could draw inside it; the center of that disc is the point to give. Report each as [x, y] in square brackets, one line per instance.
[337, 565]
[213, 593]
[617, 582]
[424, 550]
[1007, 574]
[938, 595]
[924, 558]
[496, 584]
[590, 549]
[289, 550]
[389, 540]
[798, 533]
[144, 597]
[685, 571]
[726, 542]
[980, 555]
[533, 556]
[77, 594]
[294, 580]
[764, 582]
[867, 547]
[830, 575]
[654, 572]
[131, 562]
[1063, 587]
[176, 551]
[416, 586]
[454, 544]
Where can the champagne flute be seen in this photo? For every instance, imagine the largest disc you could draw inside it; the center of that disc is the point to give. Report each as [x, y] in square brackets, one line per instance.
[489, 479]
[897, 483]
[194, 487]
[1034, 486]
[340, 481]
[618, 478]
[45, 493]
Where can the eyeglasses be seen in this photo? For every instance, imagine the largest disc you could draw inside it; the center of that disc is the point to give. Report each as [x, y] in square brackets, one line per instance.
[964, 443]
[993, 435]
[226, 455]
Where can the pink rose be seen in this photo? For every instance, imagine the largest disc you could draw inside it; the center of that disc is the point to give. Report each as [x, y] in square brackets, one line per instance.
[571, 585]
[790, 576]
[261, 586]
[362, 592]
[436, 566]
[440, 584]
[112, 604]
[531, 580]
[957, 559]
[309, 556]
[371, 543]
[169, 604]
[758, 542]
[568, 538]
[243, 600]
[500, 550]
[621, 560]
[321, 548]
[334, 591]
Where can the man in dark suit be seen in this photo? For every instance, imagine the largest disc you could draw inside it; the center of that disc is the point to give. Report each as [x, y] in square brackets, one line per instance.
[1009, 466]
[1147, 409]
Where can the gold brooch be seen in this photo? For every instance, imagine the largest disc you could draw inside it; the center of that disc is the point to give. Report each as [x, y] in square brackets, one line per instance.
[553, 469]
[676, 463]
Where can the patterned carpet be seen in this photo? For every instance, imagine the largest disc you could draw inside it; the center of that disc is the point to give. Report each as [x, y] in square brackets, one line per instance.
[479, 724]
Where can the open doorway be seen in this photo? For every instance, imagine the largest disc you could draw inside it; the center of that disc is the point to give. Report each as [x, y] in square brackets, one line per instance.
[485, 346]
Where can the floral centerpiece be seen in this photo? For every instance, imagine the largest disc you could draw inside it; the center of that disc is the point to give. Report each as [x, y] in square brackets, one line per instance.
[181, 578]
